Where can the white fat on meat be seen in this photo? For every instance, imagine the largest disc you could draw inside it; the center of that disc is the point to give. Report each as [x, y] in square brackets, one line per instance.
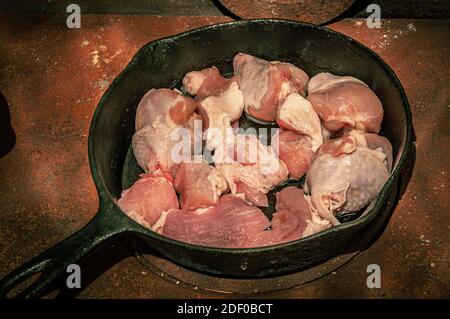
[316, 224]
[152, 146]
[205, 82]
[159, 115]
[296, 113]
[218, 112]
[163, 105]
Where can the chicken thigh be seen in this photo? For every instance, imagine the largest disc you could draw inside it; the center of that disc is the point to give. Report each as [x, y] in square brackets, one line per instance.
[233, 223]
[347, 174]
[205, 82]
[218, 112]
[294, 150]
[345, 102]
[148, 198]
[265, 84]
[250, 167]
[295, 113]
[165, 106]
[159, 114]
[199, 184]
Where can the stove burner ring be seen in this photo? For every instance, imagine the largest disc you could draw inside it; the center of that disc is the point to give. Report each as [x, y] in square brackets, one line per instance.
[190, 279]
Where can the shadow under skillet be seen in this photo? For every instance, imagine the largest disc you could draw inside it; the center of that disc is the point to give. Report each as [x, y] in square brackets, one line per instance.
[7, 134]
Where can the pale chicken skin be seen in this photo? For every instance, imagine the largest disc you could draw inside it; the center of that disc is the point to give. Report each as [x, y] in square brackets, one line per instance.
[158, 116]
[148, 198]
[218, 112]
[344, 102]
[293, 200]
[296, 113]
[205, 82]
[164, 105]
[346, 175]
[265, 84]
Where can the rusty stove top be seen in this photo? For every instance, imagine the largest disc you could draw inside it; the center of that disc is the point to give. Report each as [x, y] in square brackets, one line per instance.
[52, 78]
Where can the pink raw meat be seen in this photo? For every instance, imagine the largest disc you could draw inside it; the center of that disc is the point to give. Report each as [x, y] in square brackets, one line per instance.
[233, 223]
[289, 222]
[168, 104]
[345, 102]
[257, 198]
[199, 184]
[265, 84]
[295, 151]
[205, 82]
[148, 198]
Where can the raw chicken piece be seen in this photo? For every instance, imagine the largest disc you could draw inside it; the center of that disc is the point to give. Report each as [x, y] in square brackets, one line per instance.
[195, 128]
[254, 196]
[250, 167]
[152, 147]
[163, 105]
[345, 102]
[205, 82]
[218, 112]
[159, 115]
[375, 141]
[233, 223]
[294, 219]
[265, 84]
[295, 113]
[295, 151]
[155, 150]
[346, 175]
[148, 198]
[295, 201]
[199, 184]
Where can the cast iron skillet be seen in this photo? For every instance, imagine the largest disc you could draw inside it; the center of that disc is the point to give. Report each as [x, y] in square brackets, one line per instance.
[163, 63]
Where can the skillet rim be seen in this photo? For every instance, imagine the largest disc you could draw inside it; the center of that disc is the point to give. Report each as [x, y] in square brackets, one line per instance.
[368, 215]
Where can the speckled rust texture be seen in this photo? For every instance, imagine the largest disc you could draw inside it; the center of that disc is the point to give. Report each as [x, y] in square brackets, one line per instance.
[311, 11]
[52, 79]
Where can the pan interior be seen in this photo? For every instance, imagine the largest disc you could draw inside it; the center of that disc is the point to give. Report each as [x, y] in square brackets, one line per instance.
[131, 169]
[163, 63]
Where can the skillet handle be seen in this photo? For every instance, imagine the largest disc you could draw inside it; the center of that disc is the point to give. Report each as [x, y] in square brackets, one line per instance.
[53, 263]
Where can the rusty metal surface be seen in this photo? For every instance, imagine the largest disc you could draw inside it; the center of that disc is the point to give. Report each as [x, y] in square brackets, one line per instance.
[52, 79]
[311, 11]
